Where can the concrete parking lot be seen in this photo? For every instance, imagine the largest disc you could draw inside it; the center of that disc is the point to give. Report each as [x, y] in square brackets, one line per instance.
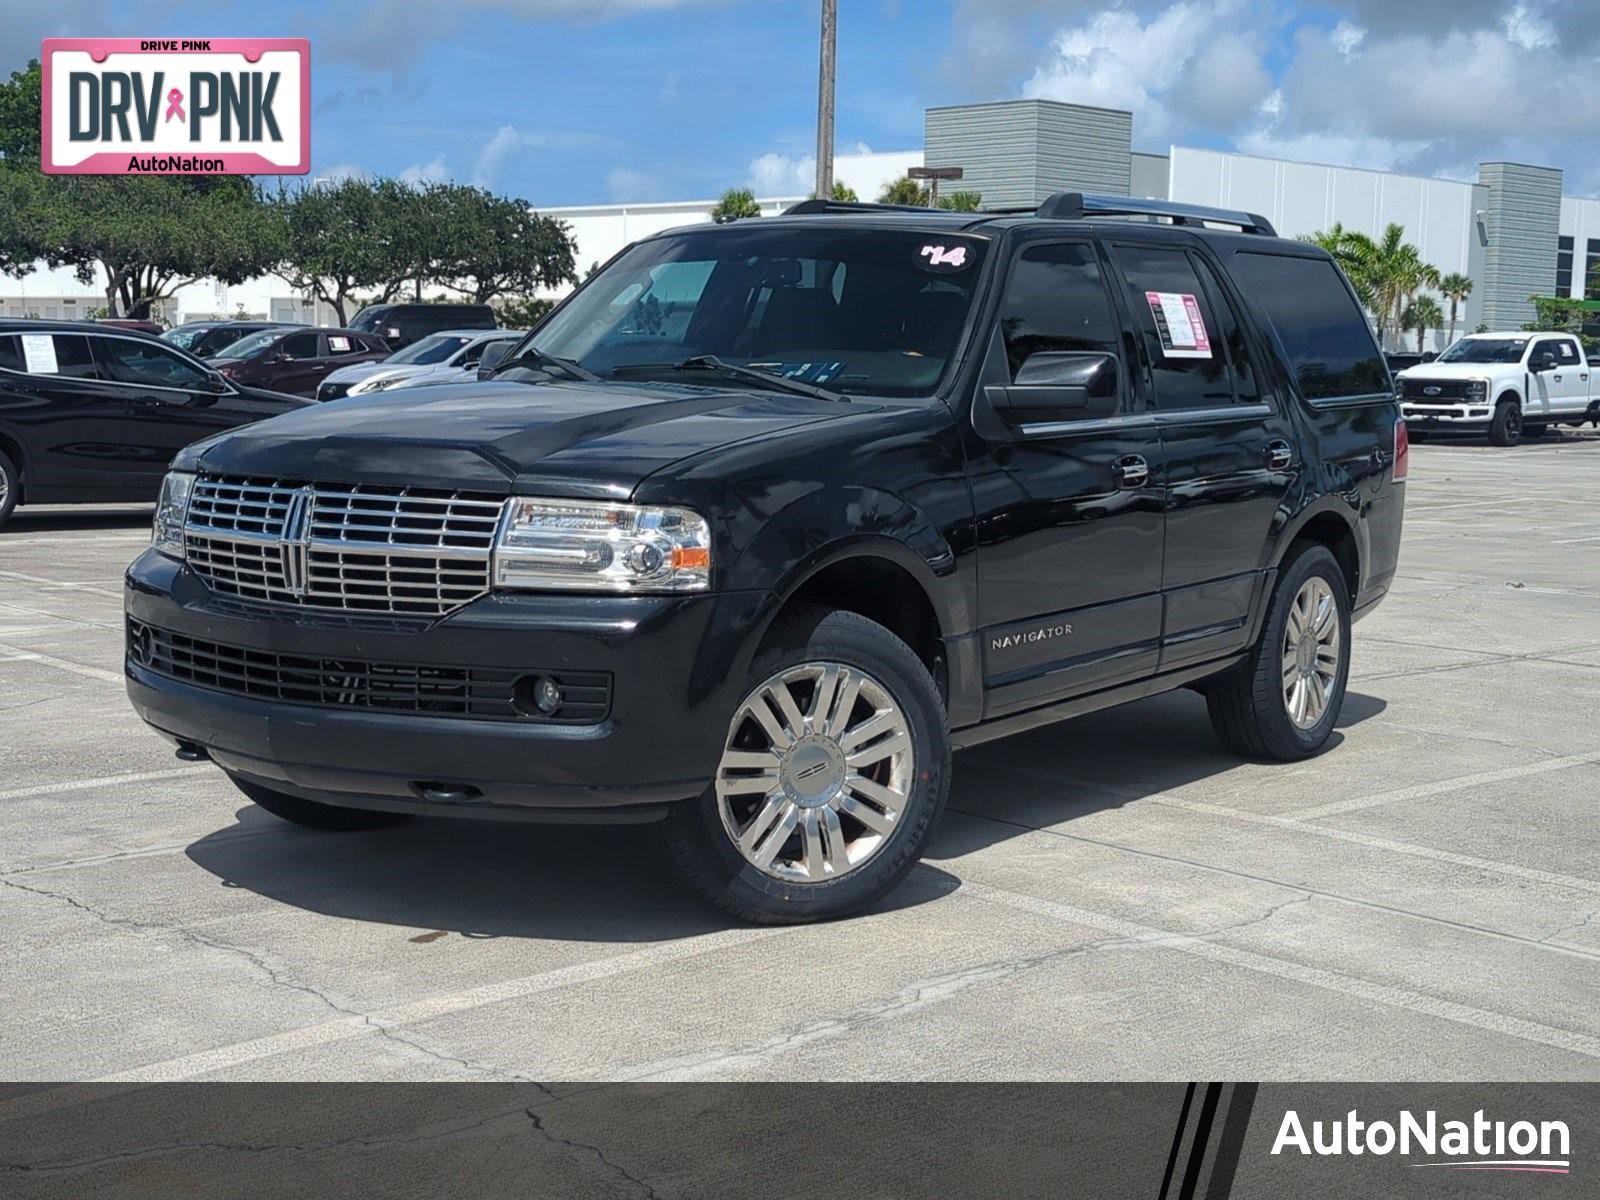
[1113, 898]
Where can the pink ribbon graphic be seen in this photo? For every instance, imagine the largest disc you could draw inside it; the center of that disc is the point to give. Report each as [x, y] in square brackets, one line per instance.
[175, 105]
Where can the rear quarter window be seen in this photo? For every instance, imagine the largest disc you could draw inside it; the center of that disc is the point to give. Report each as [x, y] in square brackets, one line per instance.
[1323, 331]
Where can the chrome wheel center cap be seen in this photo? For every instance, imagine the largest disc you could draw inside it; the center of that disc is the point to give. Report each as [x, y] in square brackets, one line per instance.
[1306, 654]
[812, 772]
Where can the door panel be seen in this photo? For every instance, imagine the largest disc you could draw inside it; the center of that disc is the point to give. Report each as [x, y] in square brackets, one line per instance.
[1069, 556]
[68, 420]
[1229, 451]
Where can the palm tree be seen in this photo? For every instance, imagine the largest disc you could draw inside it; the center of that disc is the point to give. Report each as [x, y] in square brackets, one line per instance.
[1421, 314]
[904, 191]
[1455, 287]
[1386, 273]
[734, 204]
[962, 201]
[844, 193]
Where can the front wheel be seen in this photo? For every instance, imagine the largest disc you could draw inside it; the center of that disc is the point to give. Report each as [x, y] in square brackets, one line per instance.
[1506, 428]
[835, 768]
[1282, 702]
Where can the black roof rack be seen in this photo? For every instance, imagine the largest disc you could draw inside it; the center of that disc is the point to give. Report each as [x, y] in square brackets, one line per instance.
[809, 207]
[1074, 206]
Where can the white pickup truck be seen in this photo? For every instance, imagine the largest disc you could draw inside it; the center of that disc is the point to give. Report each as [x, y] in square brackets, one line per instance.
[1511, 385]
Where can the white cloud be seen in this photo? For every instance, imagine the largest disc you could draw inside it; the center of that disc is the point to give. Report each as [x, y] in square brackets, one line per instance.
[428, 172]
[776, 174]
[1347, 38]
[1529, 28]
[625, 184]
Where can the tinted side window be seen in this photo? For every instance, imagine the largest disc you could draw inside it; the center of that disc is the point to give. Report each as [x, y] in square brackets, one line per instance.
[10, 354]
[73, 357]
[299, 345]
[1183, 336]
[1056, 300]
[129, 361]
[1325, 334]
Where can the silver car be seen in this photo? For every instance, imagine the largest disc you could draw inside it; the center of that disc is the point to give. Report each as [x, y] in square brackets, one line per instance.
[449, 356]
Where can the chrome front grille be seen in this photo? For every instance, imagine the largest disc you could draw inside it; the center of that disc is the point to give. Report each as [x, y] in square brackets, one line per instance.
[370, 548]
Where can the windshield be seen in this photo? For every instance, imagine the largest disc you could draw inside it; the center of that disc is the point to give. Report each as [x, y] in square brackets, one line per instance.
[1485, 350]
[248, 347]
[436, 348]
[185, 336]
[854, 310]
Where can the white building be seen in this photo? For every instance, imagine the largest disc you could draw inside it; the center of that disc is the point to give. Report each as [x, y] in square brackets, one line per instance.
[1511, 230]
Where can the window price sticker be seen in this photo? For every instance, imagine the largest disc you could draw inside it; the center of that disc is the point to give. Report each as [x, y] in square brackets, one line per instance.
[1179, 325]
[39, 354]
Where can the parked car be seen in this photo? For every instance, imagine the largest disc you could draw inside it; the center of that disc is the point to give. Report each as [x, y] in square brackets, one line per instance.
[295, 358]
[1399, 360]
[204, 339]
[1509, 385]
[131, 324]
[767, 518]
[402, 324]
[448, 357]
[94, 415]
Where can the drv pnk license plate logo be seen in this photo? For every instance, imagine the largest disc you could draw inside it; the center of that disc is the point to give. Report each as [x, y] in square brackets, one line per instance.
[153, 106]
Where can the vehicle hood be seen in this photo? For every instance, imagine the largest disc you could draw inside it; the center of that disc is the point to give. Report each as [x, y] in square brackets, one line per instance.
[586, 440]
[356, 372]
[1438, 370]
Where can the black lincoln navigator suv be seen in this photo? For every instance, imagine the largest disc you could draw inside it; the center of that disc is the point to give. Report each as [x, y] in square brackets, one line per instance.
[768, 517]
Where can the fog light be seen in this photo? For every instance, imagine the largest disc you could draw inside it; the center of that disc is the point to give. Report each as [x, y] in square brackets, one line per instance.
[547, 696]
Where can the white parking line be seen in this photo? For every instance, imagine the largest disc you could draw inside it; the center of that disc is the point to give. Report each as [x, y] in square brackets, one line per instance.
[83, 785]
[1295, 824]
[224, 1058]
[64, 664]
[1440, 787]
[776, 1050]
[57, 583]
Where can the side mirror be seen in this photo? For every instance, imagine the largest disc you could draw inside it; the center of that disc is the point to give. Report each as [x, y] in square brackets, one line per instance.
[215, 383]
[493, 355]
[1057, 385]
[1543, 361]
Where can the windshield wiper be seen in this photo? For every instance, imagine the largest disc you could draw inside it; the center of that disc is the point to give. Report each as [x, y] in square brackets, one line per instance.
[536, 356]
[710, 362]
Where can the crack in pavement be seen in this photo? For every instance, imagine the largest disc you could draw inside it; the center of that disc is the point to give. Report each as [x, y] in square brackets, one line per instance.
[621, 1172]
[273, 975]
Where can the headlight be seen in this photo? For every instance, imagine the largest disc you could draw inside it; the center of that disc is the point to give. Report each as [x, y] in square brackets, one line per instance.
[171, 510]
[1479, 389]
[377, 385]
[598, 547]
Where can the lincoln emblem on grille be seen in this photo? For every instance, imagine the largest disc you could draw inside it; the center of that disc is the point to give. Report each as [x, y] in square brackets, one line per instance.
[296, 548]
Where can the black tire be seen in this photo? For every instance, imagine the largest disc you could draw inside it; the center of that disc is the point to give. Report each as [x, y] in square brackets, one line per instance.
[1533, 432]
[10, 487]
[702, 849]
[317, 816]
[1506, 428]
[1247, 704]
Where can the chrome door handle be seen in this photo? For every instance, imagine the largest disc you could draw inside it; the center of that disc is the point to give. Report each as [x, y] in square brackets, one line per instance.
[1279, 455]
[1132, 471]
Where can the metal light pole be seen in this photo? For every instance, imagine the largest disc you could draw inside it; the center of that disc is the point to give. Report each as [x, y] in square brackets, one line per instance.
[830, 37]
[933, 175]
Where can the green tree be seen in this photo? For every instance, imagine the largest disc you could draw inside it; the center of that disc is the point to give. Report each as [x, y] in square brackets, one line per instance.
[962, 201]
[1421, 315]
[1386, 273]
[844, 193]
[522, 312]
[488, 246]
[1455, 288]
[20, 116]
[904, 191]
[736, 204]
[339, 239]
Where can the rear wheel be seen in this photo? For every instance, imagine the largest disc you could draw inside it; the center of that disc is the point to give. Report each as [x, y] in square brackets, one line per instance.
[313, 815]
[10, 487]
[835, 768]
[1506, 428]
[1282, 702]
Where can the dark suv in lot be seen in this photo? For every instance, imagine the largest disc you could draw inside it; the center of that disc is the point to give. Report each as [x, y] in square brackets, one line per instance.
[767, 518]
[90, 414]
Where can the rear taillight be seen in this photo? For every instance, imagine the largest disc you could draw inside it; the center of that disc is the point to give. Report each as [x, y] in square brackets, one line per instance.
[1402, 451]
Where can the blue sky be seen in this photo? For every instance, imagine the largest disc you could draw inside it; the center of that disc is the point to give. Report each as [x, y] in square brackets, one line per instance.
[586, 101]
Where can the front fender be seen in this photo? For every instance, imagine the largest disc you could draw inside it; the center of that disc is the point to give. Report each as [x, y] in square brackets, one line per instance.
[830, 524]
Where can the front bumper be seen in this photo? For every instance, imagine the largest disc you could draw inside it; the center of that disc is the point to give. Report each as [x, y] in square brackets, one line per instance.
[1466, 417]
[676, 664]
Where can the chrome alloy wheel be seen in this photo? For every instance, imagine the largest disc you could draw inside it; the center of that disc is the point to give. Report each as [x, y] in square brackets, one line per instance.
[1310, 652]
[816, 773]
